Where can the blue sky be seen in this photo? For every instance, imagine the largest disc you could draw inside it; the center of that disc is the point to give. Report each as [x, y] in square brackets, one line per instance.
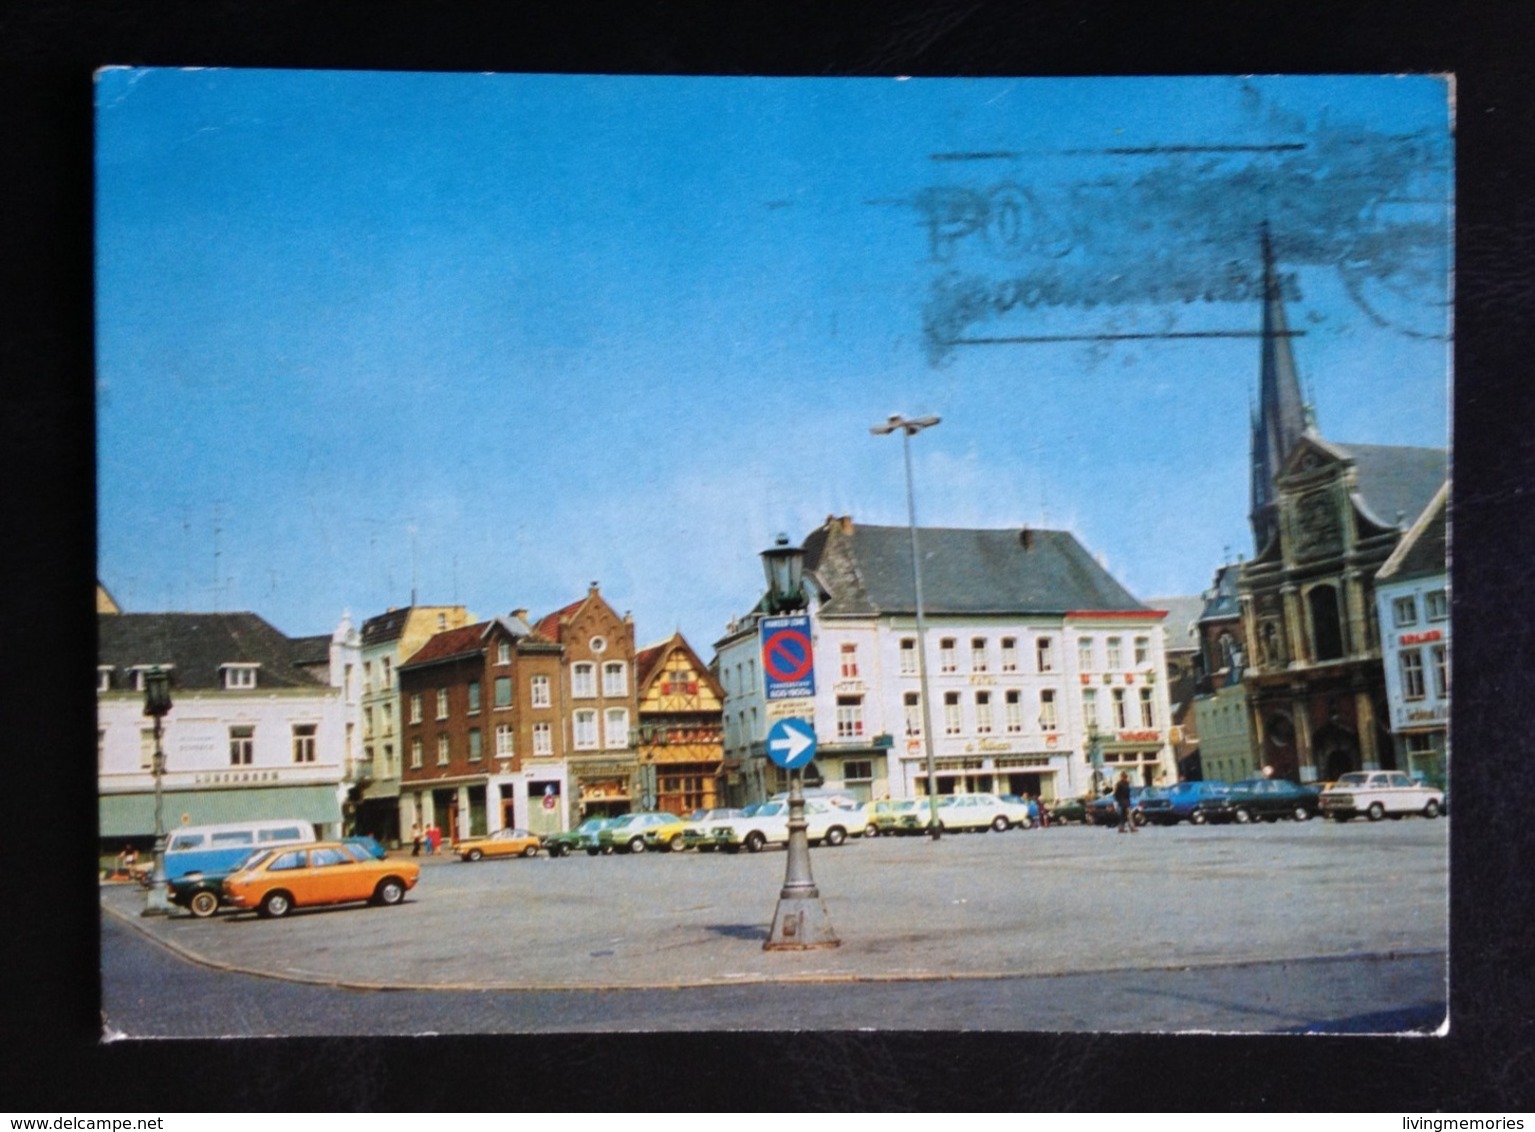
[517, 333]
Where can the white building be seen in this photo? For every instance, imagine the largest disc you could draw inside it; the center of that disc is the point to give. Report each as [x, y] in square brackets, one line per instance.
[1412, 600]
[1028, 642]
[259, 727]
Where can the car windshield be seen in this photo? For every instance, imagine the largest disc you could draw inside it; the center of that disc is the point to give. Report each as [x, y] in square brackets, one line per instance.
[1354, 779]
[253, 858]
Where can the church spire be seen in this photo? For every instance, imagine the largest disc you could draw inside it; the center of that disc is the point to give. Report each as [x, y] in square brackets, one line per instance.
[1281, 410]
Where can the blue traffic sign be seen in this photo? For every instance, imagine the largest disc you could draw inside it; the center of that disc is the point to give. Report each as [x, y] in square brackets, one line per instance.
[791, 743]
[788, 662]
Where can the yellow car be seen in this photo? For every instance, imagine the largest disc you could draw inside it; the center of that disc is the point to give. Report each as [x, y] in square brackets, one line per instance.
[502, 843]
[276, 881]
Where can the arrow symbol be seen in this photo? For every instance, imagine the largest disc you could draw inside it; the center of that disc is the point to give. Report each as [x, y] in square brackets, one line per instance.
[795, 743]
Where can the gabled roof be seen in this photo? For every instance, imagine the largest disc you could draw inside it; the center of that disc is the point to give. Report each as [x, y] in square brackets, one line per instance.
[1424, 550]
[1396, 484]
[1221, 601]
[467, 640]
[549, 626]
[197, 645]
[651, 660]
[385, 627]
[867, 571]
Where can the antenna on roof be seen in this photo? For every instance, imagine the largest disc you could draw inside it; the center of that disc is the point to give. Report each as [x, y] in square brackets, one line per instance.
[217, 552]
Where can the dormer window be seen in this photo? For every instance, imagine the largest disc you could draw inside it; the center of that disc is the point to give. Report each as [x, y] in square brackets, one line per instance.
[139, 671]
[239, 677]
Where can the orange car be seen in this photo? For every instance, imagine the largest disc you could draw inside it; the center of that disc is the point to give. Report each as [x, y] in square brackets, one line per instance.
[276, 882]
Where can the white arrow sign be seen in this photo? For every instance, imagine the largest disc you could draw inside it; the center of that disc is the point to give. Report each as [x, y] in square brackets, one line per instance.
[791, 743]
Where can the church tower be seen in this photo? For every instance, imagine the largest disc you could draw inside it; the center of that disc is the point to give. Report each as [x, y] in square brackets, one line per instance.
[1281, 418]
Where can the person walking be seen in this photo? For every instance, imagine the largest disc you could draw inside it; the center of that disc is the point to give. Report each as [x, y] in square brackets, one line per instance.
[1122, 803]
[433, 836]
[415, 839]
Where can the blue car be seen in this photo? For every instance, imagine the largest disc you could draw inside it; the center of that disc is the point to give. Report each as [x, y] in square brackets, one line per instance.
[1180, 802]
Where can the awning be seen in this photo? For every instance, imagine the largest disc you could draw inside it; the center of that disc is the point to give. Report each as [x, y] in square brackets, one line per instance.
[133, 815]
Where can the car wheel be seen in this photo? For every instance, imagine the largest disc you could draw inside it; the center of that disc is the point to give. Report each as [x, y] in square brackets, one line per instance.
[871, 831]
[276, 904]
[593, 852]
[204, 904]
[1375, 812]
[836, 835]
[636, 845]
[530, 851]
[1000, 824]
[1242, 816]
[1431, 810]
[607, 850]
[1341, 817]
[676, 844]
[557, 850]
[1301, 814]
[390, 890]
[1198, 818]
[755, 841]
[1137, 817]
[473, 855]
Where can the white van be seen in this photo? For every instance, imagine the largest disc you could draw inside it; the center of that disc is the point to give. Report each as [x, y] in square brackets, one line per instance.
[219, 848]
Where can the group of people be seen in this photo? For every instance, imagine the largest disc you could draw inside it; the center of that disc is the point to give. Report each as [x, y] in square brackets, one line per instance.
[431, 836]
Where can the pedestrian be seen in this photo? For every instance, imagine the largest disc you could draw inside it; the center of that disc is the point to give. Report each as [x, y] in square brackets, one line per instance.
[415, 839]
[1122, 803]
[1044, 811]
[1033, 810]
[433, 836]
[127, 861]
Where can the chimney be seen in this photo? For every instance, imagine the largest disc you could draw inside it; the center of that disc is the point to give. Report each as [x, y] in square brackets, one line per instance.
[592, 592]
[845, 523]
[1026, 539]
[520, 614]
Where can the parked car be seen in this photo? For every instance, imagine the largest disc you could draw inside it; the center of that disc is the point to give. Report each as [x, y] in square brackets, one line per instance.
[503, 843]
[696, 835]
[1173, 804]
[370, 845]
[979, 812]
[1253, 799]
[276, 881]
[899, 818]
[635, 833]
[1379, 794]
[1070, 810]
[584, 836]
[219, 848]
[769, 825]
[1022, 811]
[1102, 810]
[202, 894]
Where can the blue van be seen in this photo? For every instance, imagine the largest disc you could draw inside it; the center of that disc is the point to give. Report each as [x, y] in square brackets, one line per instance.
[219, 848]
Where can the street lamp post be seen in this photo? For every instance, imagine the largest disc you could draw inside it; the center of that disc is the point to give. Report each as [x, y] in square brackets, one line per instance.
[800, 921]
[908, 429]
[1095, 755]
[157, 702]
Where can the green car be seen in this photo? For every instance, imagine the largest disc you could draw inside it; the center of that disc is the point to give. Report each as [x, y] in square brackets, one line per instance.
[584, 836]
[1069, 809]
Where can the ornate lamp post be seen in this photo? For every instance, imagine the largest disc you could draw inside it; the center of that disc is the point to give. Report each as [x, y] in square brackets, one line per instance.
[800, 922]
[1095, 755]
[157, 702]
[908, 429]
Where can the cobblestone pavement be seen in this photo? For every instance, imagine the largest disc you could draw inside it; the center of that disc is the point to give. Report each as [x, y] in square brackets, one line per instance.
[1063, 901]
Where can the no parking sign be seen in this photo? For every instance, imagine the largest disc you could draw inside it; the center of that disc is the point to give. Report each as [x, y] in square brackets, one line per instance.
[788, 664]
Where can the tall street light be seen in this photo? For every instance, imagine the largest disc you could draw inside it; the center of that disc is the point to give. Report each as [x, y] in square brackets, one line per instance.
[908, 429]
[157, 702]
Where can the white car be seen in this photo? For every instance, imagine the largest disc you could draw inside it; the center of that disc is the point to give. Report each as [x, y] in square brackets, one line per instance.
[1380, 793]
[979, 812]
[769, 825]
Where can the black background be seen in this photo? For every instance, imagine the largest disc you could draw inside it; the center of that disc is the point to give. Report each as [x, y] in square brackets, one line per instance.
[52, 1059]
